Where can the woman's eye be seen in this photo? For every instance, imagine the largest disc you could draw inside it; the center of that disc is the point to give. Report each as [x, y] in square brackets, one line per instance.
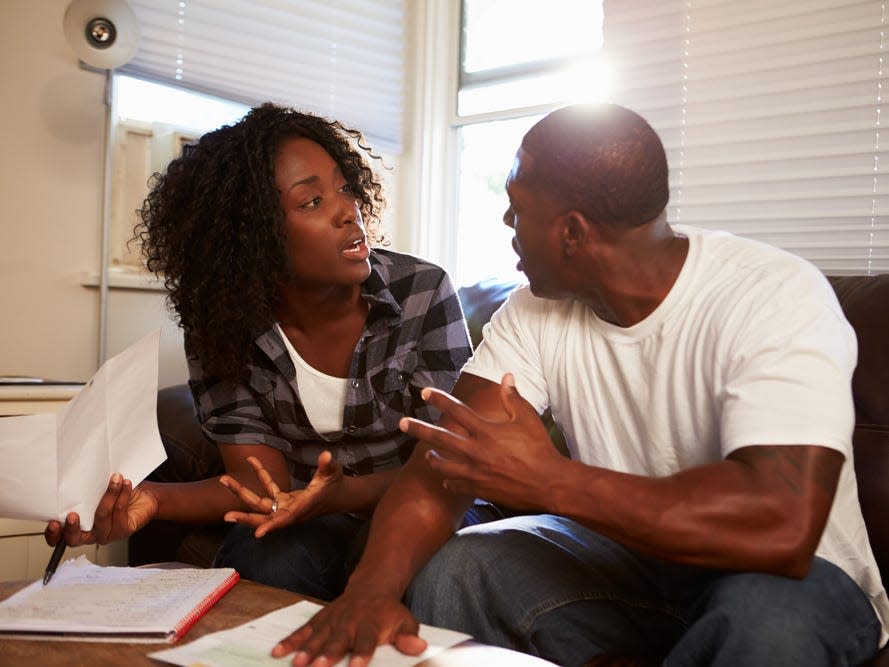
[313, 203]
[347, 188]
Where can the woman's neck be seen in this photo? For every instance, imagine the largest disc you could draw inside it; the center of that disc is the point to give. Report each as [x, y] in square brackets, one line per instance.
[312, 308]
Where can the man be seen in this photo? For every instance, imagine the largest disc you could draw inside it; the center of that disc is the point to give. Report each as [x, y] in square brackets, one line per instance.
[708, 514]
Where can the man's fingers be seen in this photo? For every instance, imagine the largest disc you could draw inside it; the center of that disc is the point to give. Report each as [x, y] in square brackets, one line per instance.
[311, 647]
[410, 644]
[453, 408]
[436, 436]
[407, 637]
[364, 646]
[446, 467]
[292, 642]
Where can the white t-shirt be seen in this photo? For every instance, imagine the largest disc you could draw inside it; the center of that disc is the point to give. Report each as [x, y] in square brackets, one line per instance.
[749, 347]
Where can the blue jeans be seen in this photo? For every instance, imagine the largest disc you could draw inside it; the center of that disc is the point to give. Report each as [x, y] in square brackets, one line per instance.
[548, 586]
[313, 558]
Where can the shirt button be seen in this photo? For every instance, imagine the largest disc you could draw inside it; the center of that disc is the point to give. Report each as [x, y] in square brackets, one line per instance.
[402, 377]
[355, 384]
[351, 429]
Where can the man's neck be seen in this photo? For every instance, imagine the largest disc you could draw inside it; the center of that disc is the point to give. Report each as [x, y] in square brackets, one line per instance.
[635, 272]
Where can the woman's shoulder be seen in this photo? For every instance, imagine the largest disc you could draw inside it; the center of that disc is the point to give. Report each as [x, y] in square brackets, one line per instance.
[394, 266]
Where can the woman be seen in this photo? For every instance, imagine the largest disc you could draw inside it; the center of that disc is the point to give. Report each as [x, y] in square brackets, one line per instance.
[305, 347]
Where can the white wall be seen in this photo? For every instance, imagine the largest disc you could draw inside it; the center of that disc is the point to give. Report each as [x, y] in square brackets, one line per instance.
[50, 196]
[51, 173]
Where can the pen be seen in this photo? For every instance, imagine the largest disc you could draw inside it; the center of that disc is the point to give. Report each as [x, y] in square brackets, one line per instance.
[54, 561]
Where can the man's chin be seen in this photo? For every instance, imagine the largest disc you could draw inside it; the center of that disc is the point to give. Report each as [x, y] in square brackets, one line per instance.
[538, 290]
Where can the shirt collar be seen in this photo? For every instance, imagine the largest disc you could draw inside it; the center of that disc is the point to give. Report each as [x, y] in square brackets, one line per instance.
[385, 312]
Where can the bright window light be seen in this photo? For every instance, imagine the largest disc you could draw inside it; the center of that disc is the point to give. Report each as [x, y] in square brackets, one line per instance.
[150, 102]
[502, 33]
[484, 248]
[518, 57]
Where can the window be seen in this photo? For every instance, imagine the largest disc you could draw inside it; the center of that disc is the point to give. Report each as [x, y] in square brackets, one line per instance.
[153, 122]
[342, 60]
[519, 60]
[770, 113]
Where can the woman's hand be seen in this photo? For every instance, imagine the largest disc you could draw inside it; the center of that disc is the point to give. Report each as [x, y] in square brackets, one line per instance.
[289, 507]
[121, 511]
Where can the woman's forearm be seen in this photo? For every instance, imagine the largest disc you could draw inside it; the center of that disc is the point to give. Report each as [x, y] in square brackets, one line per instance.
[205, 501]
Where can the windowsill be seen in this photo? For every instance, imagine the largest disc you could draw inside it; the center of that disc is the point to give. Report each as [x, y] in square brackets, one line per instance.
[125, 277]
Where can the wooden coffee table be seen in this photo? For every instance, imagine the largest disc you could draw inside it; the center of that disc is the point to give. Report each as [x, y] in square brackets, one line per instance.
[247, 600]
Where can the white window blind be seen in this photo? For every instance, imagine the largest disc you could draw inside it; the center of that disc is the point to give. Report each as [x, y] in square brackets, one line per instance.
[343, 59]
[771, 116]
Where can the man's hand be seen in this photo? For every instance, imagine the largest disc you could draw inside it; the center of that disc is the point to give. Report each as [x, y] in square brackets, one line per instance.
[506, 461]
[356, 623]
[291, 507]
[121, 511]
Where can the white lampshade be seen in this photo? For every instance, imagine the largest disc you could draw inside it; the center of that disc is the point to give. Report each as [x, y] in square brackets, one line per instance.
[103, 33]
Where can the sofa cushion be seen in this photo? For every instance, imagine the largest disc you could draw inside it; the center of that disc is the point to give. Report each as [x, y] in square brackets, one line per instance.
[865, 302]
[871, 443]
[190, 454]
[479, 302]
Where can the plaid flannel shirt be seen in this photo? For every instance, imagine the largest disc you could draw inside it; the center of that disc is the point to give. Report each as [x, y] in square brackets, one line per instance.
[415, 336]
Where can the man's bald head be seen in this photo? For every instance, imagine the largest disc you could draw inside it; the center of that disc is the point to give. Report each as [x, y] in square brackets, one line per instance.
[604, 161]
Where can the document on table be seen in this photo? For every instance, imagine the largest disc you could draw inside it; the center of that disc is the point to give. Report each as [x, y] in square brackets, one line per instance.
[87, 602]
[59, 463]
[250, 644]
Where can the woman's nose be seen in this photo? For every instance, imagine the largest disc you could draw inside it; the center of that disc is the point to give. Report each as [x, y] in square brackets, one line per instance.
[350, 211]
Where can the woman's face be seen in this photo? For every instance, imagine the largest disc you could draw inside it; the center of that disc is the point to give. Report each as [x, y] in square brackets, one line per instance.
[323, 230]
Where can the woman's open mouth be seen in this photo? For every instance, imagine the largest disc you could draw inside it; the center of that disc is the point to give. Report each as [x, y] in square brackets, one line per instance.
[356, 250]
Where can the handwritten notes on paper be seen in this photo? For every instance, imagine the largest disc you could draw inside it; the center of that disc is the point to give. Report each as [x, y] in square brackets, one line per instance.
[59, 463]
[89, 602]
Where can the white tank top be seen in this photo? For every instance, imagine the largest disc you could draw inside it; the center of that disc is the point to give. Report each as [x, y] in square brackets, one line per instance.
[323, 396]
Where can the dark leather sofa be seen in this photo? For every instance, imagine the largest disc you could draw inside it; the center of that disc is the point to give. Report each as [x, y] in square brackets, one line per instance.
[865, 301]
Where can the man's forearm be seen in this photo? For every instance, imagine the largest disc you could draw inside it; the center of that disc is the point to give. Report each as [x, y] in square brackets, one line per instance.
[412, 520]
[361, 494]
[762, 510]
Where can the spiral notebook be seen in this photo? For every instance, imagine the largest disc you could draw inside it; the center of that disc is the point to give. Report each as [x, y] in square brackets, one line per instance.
[87, 602]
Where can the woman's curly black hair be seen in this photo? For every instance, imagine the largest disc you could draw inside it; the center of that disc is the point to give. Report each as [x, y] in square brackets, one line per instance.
[212, 227]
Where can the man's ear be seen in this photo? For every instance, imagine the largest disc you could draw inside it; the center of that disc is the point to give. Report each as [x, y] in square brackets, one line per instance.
[574, 229]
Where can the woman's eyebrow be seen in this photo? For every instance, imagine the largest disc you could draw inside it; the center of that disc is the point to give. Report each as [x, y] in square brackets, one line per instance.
[303, 181]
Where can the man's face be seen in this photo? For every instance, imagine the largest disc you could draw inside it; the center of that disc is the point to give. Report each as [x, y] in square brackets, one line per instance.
[531, 215]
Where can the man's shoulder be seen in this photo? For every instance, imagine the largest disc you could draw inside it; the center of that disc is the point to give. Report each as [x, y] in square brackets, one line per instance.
[738, 263]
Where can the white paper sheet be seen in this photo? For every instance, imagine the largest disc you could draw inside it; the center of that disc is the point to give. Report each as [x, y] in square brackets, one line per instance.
[59, 463]
[250, 644]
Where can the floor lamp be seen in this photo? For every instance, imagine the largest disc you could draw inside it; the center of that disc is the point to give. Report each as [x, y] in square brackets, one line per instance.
[104, 34]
